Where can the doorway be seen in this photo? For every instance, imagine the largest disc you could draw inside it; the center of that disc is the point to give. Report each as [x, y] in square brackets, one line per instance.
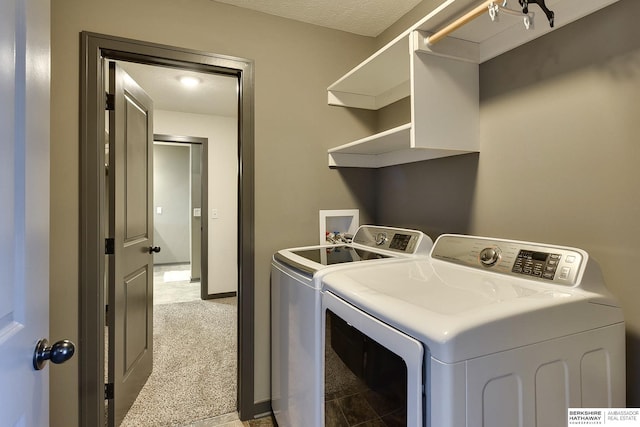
[180, 187]
[95, 49]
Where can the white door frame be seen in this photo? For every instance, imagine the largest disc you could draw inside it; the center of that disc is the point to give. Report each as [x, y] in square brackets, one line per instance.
[94, 48]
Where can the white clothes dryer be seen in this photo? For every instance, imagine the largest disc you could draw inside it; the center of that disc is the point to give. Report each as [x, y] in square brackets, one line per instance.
[483, 333]
[295, 311]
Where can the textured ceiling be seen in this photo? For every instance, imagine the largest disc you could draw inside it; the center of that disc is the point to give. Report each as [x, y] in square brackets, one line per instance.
[216, 95]
[364, 17]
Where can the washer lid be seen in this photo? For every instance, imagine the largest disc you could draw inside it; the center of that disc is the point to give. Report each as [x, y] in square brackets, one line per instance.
[369, 243]
[461, 313]
[314, 258]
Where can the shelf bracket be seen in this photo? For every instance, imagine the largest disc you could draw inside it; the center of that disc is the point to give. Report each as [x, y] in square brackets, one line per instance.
[451, 47]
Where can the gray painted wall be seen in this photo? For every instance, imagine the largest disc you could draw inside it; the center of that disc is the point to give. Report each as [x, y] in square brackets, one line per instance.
[172, 195]
[586, 88]
[294, 126]
[559, 157]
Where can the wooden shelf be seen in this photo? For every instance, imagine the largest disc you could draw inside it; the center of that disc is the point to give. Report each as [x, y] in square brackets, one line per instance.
[444, 118]
[402, 69]
[377, 82]
[370, 151]
[388, 148]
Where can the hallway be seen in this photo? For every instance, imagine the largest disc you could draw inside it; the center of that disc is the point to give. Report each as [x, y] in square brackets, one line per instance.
[201, 333]
[172, 284]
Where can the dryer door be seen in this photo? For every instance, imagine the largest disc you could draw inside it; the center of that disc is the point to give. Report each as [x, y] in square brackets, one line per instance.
[372, 372]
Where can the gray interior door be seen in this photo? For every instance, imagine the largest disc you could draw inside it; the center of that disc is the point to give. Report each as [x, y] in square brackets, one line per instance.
[130, 317]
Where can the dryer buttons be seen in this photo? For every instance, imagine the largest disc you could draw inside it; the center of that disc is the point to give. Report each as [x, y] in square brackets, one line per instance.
[537, 264]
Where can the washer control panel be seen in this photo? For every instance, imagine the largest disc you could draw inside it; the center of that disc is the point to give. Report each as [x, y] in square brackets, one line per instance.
[549, 263]
[393, 239]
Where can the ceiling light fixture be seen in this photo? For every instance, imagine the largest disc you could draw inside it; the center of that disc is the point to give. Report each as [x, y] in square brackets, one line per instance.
[190, 81]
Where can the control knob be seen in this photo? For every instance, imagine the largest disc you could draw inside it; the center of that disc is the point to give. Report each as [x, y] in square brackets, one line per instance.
[381, 238]
[489, 256]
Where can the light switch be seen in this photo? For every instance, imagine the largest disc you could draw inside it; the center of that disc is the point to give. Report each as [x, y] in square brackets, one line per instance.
[214, 213]
[159, 210]
[196, 212]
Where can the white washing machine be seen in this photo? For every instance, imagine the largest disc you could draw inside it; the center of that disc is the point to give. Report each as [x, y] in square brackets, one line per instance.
[485, 332]
[295, 312]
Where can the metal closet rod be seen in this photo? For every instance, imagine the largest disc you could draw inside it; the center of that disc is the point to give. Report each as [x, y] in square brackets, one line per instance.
[463, 20]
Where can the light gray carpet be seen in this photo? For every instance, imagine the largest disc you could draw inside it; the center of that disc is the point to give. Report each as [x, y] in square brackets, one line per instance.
[194, 365]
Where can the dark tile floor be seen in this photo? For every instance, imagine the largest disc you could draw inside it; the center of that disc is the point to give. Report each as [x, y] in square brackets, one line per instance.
[365, 408]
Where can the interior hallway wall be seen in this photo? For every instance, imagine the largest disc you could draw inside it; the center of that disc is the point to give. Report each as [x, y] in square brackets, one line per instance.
[171, 203]
[294, 126]
[559, 157]
[222, 146]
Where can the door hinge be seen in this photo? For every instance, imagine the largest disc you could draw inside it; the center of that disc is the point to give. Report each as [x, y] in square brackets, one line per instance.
[110, 102]
[109, 246]
[108, 391]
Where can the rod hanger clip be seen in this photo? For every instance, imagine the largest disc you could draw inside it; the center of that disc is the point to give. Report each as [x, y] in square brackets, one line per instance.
[550, 14]
[495, 10]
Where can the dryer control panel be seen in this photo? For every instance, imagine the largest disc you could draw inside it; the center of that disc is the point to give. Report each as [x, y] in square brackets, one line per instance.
[549, 263]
